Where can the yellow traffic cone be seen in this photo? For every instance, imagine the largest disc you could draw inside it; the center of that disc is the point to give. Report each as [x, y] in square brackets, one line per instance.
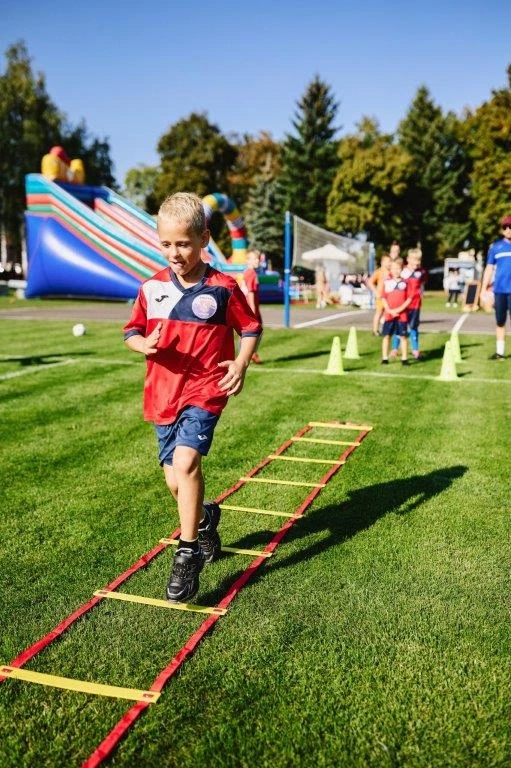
[448, 372]
[335, 367]
[351, 351]
[455, 346]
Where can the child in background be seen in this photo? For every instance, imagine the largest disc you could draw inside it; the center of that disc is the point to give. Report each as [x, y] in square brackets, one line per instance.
[416, 276]
[374, 283]
[183, 321]
[250, 287]
[395, 300]
[453, 287]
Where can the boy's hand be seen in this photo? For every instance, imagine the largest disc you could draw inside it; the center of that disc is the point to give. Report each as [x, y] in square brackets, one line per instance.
[151, 341]
[232, 382]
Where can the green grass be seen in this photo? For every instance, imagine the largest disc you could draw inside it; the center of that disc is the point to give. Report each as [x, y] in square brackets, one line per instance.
[377, 635]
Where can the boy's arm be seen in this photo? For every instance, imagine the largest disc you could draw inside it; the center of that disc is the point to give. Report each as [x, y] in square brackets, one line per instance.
[146, 345]
[371, 284]
[403, 306]
[232, 382]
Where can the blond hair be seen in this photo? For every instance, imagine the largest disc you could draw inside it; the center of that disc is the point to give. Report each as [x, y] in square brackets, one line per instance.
[414, 253]
[185, 208]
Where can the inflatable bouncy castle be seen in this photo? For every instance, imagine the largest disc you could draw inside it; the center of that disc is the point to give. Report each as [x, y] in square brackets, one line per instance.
[90, 241]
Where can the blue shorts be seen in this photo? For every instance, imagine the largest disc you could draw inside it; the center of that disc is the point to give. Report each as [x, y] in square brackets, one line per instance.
[394, 327]
[193, 427]
[502, 308]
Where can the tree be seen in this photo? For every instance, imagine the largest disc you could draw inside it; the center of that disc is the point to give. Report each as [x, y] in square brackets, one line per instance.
[257, 156]
[265, 226]
[195, 157]
[369, 186]
[437, 198]
[487, 135]
[139, 186]
[30, 124]
[309, 158]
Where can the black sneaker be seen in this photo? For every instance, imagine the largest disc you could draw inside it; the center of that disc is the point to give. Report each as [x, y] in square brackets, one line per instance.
[183, 583]
[405, 362]
[496, 356]
[209, 539]
[385, 361]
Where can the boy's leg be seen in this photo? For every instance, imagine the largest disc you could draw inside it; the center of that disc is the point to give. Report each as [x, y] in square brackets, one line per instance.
[404, 350]
[187, 471]
[414, 320]
[385, 349]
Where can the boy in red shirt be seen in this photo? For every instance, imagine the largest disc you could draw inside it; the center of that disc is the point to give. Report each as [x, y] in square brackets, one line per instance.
[250, 287]
[183, 322]
[395, 301]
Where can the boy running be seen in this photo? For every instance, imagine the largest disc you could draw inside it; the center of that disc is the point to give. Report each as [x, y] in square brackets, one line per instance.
[183, 322]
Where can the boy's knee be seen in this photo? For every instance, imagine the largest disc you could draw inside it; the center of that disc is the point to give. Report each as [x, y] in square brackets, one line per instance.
[186, 460]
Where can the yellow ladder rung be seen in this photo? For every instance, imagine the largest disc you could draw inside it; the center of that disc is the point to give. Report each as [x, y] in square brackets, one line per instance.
[281, 482]
[305, 460]
[326, 442]
[70, 684]
[257, 511]
[333, 425]
[159, 603]
[234, 550]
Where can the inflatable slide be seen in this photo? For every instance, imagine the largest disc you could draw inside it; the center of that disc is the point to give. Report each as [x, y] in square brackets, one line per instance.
[91, 242]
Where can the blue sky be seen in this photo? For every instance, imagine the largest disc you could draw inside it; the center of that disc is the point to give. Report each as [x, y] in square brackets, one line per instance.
[131, 71]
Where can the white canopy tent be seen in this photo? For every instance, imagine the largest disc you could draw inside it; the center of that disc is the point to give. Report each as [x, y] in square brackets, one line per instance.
[347, 264]
[335, 261]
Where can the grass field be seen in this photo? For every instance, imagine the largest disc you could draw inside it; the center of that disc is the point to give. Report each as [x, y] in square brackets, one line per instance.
[379, 633]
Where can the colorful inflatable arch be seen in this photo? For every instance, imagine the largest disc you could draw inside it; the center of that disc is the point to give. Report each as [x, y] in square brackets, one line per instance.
[220, 202]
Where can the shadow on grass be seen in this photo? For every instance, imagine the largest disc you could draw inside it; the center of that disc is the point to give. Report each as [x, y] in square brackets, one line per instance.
[362, 508]
[304, 356]
[42, 359]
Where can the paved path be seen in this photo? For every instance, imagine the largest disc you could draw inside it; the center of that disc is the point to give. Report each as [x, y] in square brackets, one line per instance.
[273, 317]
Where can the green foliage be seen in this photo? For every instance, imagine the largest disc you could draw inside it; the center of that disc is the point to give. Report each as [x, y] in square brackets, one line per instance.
[488, 137]
[309, 156]
[369, 186]
[139, 186]
[257, 156]
[436, 203]
[264, 223]
[195, 157]
[30, 124]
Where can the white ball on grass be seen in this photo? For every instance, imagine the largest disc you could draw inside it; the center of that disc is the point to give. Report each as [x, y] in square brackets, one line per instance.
[78, 329]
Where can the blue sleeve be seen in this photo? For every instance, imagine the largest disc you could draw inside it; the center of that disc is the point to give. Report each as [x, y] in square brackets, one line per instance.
[491, 254]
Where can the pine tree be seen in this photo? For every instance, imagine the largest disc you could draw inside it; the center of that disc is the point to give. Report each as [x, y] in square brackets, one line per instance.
[309, 157]
[436, 201]
[265, 226]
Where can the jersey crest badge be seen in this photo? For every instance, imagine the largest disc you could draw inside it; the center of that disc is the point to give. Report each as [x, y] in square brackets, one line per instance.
[204, 306]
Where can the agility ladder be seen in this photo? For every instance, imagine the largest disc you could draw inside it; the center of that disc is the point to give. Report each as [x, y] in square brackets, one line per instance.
[145, 698]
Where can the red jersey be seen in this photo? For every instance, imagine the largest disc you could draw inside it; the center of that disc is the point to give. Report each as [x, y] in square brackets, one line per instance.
[416, 279]
[250, 284]
[395, 293]
[196, 335]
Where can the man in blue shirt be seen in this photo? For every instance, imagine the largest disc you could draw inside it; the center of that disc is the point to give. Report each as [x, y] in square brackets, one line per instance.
[498, 272]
